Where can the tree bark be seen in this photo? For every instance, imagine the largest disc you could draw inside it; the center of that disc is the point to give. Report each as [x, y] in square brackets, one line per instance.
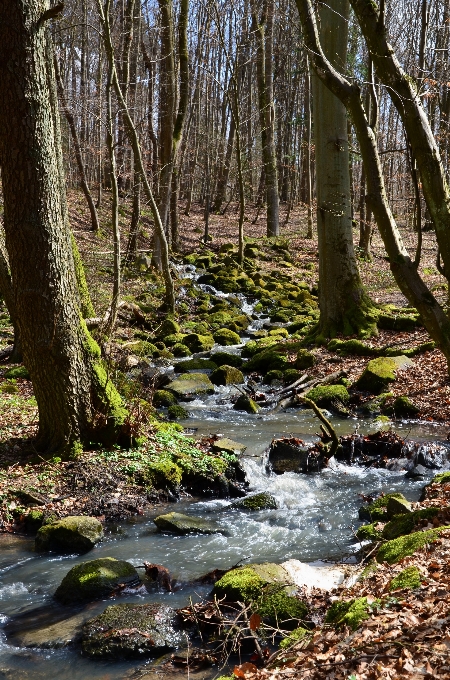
[76, 400]
[342, 300]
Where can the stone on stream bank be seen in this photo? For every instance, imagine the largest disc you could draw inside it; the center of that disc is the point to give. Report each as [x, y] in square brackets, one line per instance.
[96, 579]
[130, 631]
[177, 523]
[191, 385]
[229, 446]
[69, 535]
[380, 372]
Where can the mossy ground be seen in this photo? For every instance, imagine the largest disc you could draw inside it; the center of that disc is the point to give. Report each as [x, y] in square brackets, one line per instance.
[409, 578]
[351, 613]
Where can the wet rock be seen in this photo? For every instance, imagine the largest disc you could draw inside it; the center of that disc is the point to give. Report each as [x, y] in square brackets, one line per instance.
[245, 403]
[229, 446]
[376, 511]
[95, 580]
[177, 523]
[417, 472]
[69, 535]
[57, 635]
[380, 372]
[402, 407]
[227, 375]
[292, 455]
[130, 631]
[221, 358]
[195, 365]
[256, 501]
[190, 385]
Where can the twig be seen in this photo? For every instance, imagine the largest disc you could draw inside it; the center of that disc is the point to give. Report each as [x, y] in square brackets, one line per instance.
[328, 425]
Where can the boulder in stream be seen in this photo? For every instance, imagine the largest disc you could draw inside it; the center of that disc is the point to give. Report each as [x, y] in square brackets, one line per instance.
[191, 385]
[256, 501]
[293, 455]
[177, 523]
[69, 535]
[229, 446]
[96, 579]
[131, 631]
[245, 403]
[54, 636]
[227, 375]
[226, 337]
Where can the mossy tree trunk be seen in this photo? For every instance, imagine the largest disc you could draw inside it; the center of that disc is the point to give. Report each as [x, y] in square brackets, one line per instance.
[342, 300]
[76, 400]
[6, 292]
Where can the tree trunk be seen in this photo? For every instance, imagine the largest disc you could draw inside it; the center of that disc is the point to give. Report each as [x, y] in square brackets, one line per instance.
[6, 292]
[343, 303]
[76, 400]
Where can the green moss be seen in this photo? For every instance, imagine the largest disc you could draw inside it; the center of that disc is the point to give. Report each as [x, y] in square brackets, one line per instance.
[401, 525]
[95, 579]
[226, 337]
[273, 375]
[275, 605]
[304, 359]
[397, 323]
[195, 365]
[377, 375]
[255, 346]
[86, 308]
[377, 511]
[168, 327]
[402, 406]
[173, 339]
[296, 636]
[245, 403]
[177, 412]
[163, 474]
[256, 501]
[290, 376]
[268, 360]
[395, 550]
[17, 372]
[180, 350]
[441, 478]
[164, 398]
[408, 579]
[111, 404]
[198, 343]
[352, 347]
[221, 358]
[325, 395]
[227, 375]
[9, 387]
[351, 613]
[242, 584]
[368, 532]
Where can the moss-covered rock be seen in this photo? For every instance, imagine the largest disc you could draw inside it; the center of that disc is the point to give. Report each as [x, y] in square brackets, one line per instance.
[376, 405]
[177, 523]
[17, 372]
[226, 337]
[191, 385]
[404, 524]
[395, 550]
[256, 501]
[401, 407]
[352, 348]
[268, 360]
[163, 398]
[177, 412]
[263, 586]
[245, 403]
[351, 613]
[195, 365]
[273, 375]
[95, 580]
[69, 535]
[304, 359]
[290, 376]
[279, 333]
[368, 532]
[441, 478]
[256, 346]
[408, 579]
[131, 631]
[221, 358]
[397, 505]
[227, 375]
[168, 327]
[326, 395]
[400, 322]
[379, 373]
[198, 343]
[377, 511]
[181, 350]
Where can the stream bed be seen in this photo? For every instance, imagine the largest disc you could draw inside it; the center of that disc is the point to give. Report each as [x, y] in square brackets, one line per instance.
[313, 522]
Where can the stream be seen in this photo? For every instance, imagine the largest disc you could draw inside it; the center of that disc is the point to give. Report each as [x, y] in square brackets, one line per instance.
[315, 520]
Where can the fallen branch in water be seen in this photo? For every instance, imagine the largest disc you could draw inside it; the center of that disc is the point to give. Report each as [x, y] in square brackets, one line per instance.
[295, 397]
[329, 431]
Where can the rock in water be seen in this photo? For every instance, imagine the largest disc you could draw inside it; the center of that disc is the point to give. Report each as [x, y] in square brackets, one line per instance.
[244, 403]
[96, 579]
[256, 501]
[292, 455]
[227, 375]
[191, 385]
[176, 523]
[229, 446]
[69, 535]
[130, 631]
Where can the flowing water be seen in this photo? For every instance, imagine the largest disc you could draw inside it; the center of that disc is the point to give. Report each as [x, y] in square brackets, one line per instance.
[315, 520]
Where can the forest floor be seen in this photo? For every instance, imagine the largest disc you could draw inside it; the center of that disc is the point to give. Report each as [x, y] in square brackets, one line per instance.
[407, 632]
